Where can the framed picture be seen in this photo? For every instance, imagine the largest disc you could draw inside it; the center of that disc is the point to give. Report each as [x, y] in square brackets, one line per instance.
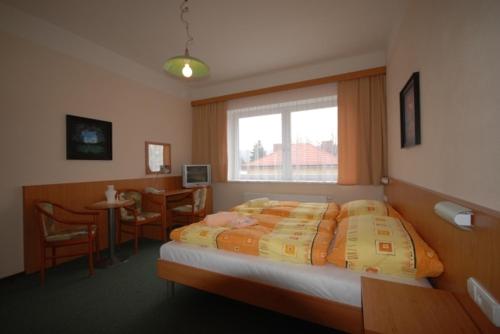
[409, 100]
[88, 139]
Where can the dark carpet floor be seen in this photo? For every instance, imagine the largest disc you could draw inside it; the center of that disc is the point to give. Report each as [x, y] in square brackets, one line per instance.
[128, 298]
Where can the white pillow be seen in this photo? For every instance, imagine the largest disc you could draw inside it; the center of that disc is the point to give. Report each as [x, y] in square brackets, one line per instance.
[151, 190]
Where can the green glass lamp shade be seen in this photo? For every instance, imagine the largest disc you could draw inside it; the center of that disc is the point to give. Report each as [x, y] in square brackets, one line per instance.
[175, 65]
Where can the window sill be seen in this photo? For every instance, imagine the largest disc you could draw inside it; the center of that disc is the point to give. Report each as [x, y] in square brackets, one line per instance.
[283, 182]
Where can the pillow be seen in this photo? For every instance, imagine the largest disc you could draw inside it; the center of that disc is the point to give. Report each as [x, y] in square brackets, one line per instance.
[257, 202]
[151, 190]
[362, 207]
[385, 245]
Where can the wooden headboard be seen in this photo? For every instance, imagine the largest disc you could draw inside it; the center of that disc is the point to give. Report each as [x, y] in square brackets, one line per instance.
[464, 254]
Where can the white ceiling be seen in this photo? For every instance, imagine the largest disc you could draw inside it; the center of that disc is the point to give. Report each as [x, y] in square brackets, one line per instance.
[236, 38]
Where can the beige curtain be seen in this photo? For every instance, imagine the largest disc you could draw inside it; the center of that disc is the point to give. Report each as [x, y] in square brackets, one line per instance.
[210, 138]
[362, 130]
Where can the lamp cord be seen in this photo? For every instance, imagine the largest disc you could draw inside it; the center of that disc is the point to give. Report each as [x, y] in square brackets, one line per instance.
[185, 9]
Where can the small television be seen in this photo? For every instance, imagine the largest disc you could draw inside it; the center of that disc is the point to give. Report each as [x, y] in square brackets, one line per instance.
[195, 176]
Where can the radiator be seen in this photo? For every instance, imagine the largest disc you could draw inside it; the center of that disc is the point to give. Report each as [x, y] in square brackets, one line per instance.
[286, 197]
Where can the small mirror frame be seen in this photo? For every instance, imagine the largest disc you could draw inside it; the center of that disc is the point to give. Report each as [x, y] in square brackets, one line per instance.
[167, 162]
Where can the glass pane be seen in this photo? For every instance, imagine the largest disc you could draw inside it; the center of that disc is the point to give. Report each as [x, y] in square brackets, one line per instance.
[314, 145]
[155, 157]
[260, 154]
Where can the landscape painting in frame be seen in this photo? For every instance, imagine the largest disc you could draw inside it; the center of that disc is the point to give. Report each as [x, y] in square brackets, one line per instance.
[409, 100]
[88, 139]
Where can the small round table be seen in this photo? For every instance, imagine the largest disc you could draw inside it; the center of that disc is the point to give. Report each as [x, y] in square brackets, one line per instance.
[111, 207]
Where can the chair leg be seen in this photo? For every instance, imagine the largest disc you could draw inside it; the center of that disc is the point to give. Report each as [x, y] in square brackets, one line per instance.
[53, 256]
[119, 232]
[97, 248]
[163, 232]
[136, 239]
[167, 233]
[42, 265]
[170, 289]
[91, 257]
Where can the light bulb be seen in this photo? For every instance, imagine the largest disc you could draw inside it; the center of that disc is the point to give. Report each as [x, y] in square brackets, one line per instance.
[187, 71]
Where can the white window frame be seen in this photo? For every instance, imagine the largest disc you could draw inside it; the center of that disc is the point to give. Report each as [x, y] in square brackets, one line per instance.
[285, 110]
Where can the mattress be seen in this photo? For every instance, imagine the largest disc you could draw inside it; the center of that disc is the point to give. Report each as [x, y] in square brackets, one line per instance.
[327, 282]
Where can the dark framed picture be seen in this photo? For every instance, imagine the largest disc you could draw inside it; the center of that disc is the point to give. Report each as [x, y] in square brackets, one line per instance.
[88, 139]
[409, 100]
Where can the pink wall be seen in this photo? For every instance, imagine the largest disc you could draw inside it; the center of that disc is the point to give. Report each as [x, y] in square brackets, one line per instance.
[38, 88]
[454, 45]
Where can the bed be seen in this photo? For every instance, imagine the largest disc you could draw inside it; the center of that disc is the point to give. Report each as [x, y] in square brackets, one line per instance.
[324, 294]
[414, 203]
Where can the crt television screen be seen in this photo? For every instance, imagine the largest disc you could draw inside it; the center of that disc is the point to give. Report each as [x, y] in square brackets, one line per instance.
[196, 174]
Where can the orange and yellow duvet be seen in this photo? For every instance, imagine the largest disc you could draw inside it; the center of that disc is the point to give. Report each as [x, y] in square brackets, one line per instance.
[295, 240]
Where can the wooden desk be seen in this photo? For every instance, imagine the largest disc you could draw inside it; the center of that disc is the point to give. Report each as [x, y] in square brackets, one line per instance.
[399, 308]
[111, 208]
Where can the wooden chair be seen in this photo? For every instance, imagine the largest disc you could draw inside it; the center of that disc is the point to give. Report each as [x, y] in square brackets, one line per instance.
[148, 209]
[190, 209]
[63, 227]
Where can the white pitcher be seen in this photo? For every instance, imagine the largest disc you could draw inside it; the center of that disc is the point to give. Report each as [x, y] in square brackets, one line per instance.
[110, 194]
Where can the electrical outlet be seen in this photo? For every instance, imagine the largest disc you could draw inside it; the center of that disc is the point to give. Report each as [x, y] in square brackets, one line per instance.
[486, 302]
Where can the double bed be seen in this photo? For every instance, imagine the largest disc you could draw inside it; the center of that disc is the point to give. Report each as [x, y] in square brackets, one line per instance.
[327, 295]
[324, 294]
[340, 309]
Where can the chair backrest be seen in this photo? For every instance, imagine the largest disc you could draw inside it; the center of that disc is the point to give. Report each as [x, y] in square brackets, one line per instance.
[49, 226]
[134, 195]
[200, 198]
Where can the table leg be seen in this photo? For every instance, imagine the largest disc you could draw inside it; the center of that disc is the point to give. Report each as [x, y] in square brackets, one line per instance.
[111, 233]
[112, 258]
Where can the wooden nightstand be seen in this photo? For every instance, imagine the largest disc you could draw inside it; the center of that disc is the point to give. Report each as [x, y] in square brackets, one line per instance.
[399, 308]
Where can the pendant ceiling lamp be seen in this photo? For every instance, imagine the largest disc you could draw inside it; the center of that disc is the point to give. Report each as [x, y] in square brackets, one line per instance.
[186, 66]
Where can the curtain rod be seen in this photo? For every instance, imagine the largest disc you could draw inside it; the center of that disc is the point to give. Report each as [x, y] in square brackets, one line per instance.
[294, 85]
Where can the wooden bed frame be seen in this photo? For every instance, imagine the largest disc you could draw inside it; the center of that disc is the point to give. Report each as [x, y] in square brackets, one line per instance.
[324, 312]
[463, 254]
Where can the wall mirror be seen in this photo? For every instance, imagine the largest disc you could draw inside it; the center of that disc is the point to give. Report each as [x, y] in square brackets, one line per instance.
[158, 158]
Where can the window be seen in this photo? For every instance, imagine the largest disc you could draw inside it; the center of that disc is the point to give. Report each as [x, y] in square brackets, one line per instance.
[290, 140]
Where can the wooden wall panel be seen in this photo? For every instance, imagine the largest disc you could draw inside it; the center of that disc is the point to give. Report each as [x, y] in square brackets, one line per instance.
[464, 254]
[78, 196]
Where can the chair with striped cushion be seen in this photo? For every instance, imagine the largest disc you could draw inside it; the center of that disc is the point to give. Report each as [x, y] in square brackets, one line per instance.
[63, 227]
[189, 210]
[148, 209]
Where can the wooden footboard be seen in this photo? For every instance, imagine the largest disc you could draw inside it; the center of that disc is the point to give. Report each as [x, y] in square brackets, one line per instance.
[324, 312]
